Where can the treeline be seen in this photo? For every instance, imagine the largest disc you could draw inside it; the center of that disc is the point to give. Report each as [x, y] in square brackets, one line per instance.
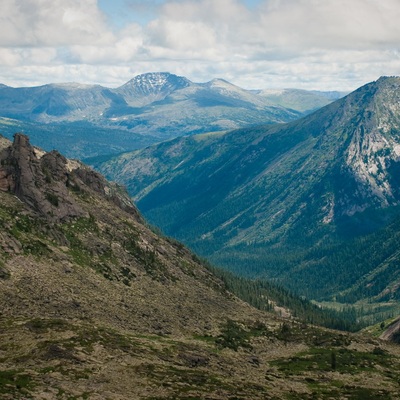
[265, 295]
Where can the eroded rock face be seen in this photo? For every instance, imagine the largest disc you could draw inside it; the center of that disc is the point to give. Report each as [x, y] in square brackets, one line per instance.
[109, 190]
[48, 182]
[4, 184]
[40, 182]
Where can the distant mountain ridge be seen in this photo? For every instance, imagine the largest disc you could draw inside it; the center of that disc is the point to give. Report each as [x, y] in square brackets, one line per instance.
[307, 203]
[149, 108]
[300, 100]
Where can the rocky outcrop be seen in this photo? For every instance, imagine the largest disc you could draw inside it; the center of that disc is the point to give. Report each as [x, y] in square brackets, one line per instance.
[48, 182]
[39, 181]
[392, 333]
[112, 191]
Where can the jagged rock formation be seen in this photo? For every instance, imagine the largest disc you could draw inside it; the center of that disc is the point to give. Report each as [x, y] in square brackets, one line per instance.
[44, 181]
[26, 173]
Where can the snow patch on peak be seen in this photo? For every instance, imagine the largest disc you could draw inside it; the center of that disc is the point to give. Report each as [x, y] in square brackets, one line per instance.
[152, 78]
[154, 86]
[154, 81]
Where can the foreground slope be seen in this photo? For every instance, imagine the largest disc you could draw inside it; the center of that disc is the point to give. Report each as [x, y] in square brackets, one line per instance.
[66, 224]
[312, 203]
[97, 306]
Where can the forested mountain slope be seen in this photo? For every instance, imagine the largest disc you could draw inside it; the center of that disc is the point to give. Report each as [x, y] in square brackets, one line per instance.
[312, 204]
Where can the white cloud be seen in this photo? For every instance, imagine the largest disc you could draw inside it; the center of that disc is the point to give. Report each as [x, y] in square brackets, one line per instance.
[327, 44]
[331, 24]
[52, 23]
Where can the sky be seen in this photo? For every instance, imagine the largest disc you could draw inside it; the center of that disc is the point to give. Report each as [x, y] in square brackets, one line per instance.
[255, 44]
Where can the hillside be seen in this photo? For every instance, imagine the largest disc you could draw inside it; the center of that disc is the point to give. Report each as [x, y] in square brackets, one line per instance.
[95, 305]
[90, 120]
[62, 219]
[300, 100]
[312, 204]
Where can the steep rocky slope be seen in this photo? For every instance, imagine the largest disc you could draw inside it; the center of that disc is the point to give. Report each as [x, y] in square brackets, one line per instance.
[392, 332]
[308, 203]
[97, 306]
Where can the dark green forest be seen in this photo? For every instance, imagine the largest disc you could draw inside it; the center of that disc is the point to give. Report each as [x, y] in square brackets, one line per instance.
[345, 270]
[265, 296]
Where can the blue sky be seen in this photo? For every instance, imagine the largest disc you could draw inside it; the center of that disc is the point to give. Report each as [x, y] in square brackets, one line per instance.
[122, 12]
[255, 44]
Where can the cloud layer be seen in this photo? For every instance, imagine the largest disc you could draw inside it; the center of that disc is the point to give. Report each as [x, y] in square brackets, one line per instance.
[319, 44]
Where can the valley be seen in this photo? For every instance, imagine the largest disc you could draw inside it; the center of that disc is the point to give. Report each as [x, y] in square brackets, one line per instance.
[311, 205]
[199, 200]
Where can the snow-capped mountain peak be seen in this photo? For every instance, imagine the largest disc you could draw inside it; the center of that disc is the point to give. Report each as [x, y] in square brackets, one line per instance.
[156, 82]
[153, 86]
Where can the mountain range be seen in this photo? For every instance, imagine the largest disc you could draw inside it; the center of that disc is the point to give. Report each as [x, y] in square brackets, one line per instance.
[96, 305]
[90, 120]
[312, 204]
